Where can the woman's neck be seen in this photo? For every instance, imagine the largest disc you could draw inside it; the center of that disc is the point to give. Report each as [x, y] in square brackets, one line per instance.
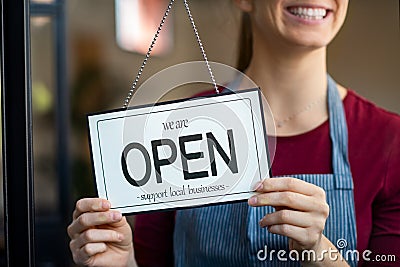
[291, 81]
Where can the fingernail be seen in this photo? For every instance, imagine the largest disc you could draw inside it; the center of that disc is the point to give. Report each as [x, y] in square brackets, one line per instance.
[259, 185]
[253, 200]
[106, 205]
[117, 216]
[120, 237]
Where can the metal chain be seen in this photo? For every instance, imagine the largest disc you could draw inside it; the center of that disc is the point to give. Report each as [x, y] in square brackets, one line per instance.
[153, 42]
[201, 45]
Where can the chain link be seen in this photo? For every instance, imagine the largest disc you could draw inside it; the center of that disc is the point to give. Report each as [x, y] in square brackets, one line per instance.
[200, 45]
[153, 42]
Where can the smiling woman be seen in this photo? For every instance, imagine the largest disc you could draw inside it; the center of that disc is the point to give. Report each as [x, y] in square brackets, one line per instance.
[336, 166]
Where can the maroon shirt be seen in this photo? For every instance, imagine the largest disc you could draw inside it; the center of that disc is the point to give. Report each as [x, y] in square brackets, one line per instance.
[374, 154]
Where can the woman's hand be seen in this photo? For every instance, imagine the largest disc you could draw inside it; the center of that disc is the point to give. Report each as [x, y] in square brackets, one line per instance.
[301, 211]
[100, 236]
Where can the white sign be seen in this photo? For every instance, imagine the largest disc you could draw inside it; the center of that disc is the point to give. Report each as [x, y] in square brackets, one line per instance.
[180, 154]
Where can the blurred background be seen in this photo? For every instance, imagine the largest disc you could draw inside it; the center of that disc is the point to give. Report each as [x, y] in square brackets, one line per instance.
[86, 53]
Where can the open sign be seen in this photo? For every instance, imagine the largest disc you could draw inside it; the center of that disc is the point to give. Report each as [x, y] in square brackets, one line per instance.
[180, 154]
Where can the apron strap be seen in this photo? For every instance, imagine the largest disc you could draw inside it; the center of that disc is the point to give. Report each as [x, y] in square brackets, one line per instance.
[339, 137]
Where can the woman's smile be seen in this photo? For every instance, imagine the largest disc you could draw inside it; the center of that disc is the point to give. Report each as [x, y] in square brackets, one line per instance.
[304, 23]
[307, 13]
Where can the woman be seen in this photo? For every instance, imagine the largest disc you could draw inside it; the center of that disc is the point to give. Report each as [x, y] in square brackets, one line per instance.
[320, 201]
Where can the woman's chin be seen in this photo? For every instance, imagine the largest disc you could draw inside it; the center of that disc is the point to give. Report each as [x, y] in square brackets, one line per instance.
[308, 41]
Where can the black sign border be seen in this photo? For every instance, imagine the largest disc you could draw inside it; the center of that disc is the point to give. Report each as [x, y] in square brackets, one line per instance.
[179, 101]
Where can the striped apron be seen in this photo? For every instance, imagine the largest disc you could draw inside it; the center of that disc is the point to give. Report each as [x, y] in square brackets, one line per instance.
[229, 235]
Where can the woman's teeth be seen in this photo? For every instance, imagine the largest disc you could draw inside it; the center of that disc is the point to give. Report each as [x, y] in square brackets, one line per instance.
[308, 13]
